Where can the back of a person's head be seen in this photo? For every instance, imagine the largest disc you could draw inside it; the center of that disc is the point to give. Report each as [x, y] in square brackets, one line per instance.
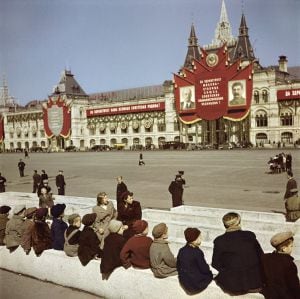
[231, 219]
[289, 173]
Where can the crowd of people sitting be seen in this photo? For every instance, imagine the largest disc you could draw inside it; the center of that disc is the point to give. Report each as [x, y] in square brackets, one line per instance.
[119, 238]
[280, 163]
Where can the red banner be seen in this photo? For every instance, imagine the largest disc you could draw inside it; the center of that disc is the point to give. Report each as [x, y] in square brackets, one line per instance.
[1, 128]
[213, 89]
[288, 94]
[160, 106]
[57, 117]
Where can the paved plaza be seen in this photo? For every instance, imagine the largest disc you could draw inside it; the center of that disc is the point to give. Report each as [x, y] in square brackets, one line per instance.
[216, 178]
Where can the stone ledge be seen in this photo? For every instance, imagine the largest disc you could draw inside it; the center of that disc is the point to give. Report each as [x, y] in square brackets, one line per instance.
[54, 266]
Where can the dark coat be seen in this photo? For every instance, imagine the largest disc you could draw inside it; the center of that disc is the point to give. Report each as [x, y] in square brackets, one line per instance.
[88, 245]
[58, 228]
[40, 237]
[237, 257]
[75, 238]
[14, 231]
[121, 188]
[60, 184]
[3, 220]
[291, 184]
[46, 201]
[2, 183]
[176, 189]
[280, 276]
[113, 245]
[21, 165]
[39, 192]
[26, 237]
[136, 252]
[44, 176]
[193, 271]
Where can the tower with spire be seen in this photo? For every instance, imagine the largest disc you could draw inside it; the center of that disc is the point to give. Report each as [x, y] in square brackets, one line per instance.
[194, 51]
[5, 98]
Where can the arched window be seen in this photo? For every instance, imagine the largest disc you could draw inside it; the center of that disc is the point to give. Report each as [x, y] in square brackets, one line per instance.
[287, 137]
[113, 141]
[124, 140]
[102, 141]
[261, 118]
[261, 138]
[265, 96]
[177, 139]
[256, 97]
[92, 142]
[286, 118]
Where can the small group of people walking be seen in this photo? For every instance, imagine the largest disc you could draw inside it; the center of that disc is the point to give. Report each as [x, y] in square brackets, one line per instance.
[280, 163]
[242, 265]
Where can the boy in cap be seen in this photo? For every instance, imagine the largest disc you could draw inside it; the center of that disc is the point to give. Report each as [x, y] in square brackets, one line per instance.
[28, 224]
[237, 257]
[4, 211]
[88, 241]
[136, 250]
[40, 233]
[163, 262]
[280, 272]
[113, 245]
[193, 271]
[72, 234]
[58, 226]
[15, 228]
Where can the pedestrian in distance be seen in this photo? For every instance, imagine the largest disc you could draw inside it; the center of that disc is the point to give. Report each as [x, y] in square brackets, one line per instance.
[292, 206]
[26, 154]
[121, 188]
[44, 175]
[176, 190]
[193, 271]
[60, 183]
[2, 183]
[141, 160]
[44, 184]
[280, 272]
[36, 181]
[21, 166]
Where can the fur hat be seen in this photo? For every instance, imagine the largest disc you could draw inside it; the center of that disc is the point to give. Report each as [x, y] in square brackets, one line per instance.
[280, 238]
[4, 209]
[41, 213]
[139, 226]
[57, 209]
[72, 217]
[191, 234]
[159, 230]
[231, 219]
[18, 209]
[30, 212]
[89, 219]
[114, 226]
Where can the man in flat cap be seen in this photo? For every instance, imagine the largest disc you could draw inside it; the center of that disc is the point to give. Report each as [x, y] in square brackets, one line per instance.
[237, 257]
[60, 183]
[280, 272]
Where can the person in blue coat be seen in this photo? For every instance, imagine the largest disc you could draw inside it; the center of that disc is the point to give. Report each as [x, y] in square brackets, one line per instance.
[58, 226]
[193, 272]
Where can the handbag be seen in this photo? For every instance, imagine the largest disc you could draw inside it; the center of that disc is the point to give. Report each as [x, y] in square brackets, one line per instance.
[70, 250]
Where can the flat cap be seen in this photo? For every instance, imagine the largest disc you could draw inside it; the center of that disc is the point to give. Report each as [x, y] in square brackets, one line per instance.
[159, 230]
[280, 238]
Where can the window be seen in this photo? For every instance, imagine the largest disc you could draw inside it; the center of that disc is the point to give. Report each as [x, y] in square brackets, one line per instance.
[176, 126]
[112, 131]
[287, 137]
[34, 134]
[42, 132]
[265, 96]
[124, 131]
[92, 131]
[261, 138]
[261, 119]
[256, 97]
[150, 129]
[286, 119]
[103, 131]
[136, 130]
[161, 127]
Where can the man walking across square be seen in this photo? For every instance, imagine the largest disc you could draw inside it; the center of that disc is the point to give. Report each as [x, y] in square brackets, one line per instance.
[60, 183]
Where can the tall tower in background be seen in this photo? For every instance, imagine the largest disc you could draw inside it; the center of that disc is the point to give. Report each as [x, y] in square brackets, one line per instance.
[5, 98]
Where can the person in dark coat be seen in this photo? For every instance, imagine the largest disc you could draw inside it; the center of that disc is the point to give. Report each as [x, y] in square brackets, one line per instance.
[44, 184]
[40, 233]
[176, 190]
[292, 206]
[193, 271]
[26, 154]
[4, 212]
[28, 225]
[129, 211]
[113, 245]
[58, 226]
[141, 160]
[280, 272]
[2, 183]
[88, 241]
[60, 183]
[72, 235]
[44, 175]
[291, 184]
[45, 199]
[21, 166]
[237, 257]
[288, 162]
[121, 188]
[36, 181]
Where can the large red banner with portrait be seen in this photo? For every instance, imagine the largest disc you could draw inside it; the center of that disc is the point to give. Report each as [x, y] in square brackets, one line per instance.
[214, 88]
[57, 117]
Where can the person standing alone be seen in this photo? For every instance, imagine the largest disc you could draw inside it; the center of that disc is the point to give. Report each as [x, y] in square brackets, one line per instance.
[21, 166]
[60, 183]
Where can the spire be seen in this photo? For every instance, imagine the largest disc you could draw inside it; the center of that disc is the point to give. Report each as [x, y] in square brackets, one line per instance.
[193, 49]
[223, 31]
[243, 48]
[5, 98]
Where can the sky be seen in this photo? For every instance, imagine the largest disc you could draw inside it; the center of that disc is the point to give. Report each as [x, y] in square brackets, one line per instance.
[118, 44]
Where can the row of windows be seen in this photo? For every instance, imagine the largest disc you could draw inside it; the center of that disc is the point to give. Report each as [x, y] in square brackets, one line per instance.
[26, 135]
[264, 96]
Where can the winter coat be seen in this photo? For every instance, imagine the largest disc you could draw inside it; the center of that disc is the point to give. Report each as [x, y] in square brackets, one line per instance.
[113, 245]
[102, 221]
[40, 237]
[75, 238]
[46, 201]
[163, 262]
[26, 237]
[3, 221]
[237, 257]
[193, 271]
[58, 228]
[121, 188]
[176, 190]
[291, 184]
[136, 252]
[88, 245]
[280, 276]
[292, 206]
[14, 231]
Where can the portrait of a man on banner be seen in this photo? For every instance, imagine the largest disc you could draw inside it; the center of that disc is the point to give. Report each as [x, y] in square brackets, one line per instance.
[187, 97]
[237, 93]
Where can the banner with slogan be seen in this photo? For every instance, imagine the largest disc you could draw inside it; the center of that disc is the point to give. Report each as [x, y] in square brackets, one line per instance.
[158, 106]
[213, 89]
[1, 128]
[57, 117]
[288, 94]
